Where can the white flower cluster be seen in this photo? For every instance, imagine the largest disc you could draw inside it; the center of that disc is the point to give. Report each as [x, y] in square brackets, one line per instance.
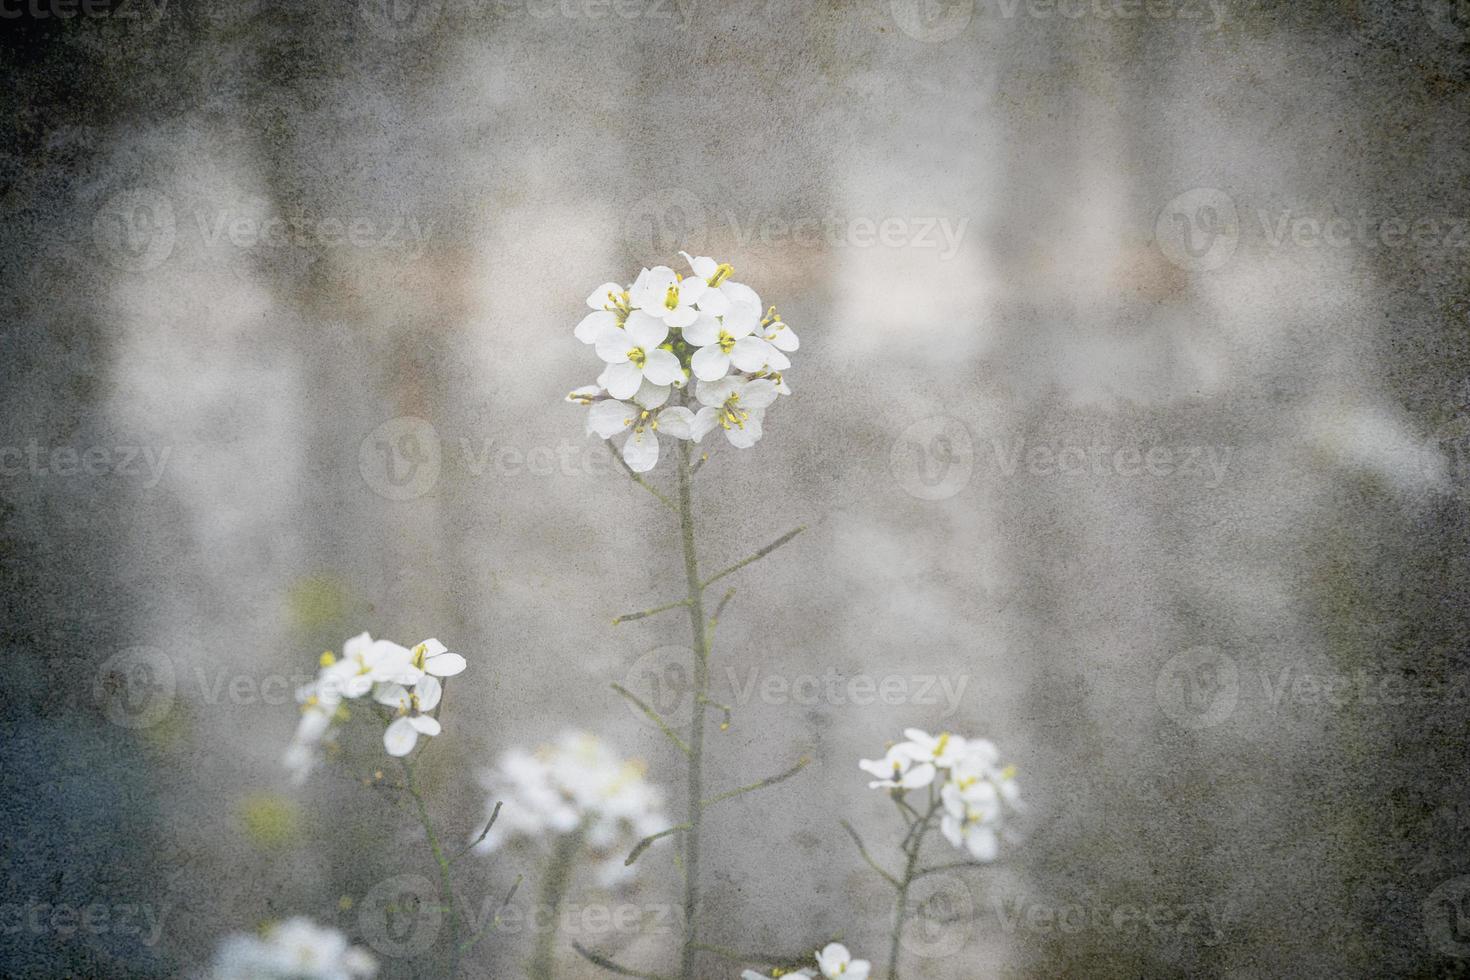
[654, 335]
[834, 962]
[576, 785]
[297, 949]
[406, 680]
[976, 792]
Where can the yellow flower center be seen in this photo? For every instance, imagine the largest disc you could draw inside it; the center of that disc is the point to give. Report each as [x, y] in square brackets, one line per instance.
[942, 744]
[671, 298]
[726, 342]
[732, 414]
[418, 655]
[637, 357]
[326, 659]
[722, 272]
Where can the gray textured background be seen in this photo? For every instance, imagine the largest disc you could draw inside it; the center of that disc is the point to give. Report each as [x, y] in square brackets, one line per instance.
[1137, 267]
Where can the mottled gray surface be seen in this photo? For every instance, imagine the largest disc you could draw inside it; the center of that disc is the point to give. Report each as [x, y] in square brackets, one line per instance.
[1186, 664]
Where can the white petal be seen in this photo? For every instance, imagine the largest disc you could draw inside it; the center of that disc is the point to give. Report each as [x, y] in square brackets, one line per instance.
[445, 665]
[608, 418]
[751, 353]
[428, 691]
[425, 725]
[715, 393]
[738, 292]
[640, 452]
[651, 395]
[742, 319]
[703, 265]
[662, 367]
[622, 380]
[715, 301]
[758, 394]
[681, 317]
[920, 775]
[704, 422]
[858, 970]
[400, 737]
[690, 290]
[782, 337]
[613, 345]
[594, 323]
[777, 361]
[645, 330]
[432, 647]
[744, 438]
[677, 422]
[950, 828]
[710, 363]
[833, 958]
[598, 299]
[393, 695]
[982, 844]
[705, 330]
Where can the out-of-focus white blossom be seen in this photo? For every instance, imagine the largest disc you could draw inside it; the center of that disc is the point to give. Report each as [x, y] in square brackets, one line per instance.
[656, 334]
[404, 679]
[576, 784]
[976, 793]
[297, 949]
[833, 962]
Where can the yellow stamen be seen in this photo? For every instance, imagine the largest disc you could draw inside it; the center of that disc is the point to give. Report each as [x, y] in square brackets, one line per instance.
[327, 659]
[722, 272]
[726, 342]
[671, 298]
[637, 357]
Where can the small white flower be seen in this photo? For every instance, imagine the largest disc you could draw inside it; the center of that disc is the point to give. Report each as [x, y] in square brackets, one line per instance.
[660, 292]
[297, 949]
[641, 450]
[731, 341]
[897, 770]
[632, 354]
[413, 708]
[610, 303]
[722, 291]
[777, 334]
[433, 657]
[943, 750]
[735, 405]
[835, 961]
[971, 819]
[366, 662]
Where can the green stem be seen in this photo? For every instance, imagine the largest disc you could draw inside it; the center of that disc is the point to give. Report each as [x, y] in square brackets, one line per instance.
[696, 733]
[446, 881]
[910, 873]
[553, 891]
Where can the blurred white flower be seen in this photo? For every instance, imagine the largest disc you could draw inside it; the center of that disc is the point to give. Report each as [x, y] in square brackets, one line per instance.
[365, 662]
[413, 707]
[942, 749]
[578, 783]
[897, 770]
[297, 949]
[835, 961]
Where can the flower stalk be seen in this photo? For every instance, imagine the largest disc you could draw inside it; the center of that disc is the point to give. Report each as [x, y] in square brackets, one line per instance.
[446, 880]
[553, 892]
[696, 732]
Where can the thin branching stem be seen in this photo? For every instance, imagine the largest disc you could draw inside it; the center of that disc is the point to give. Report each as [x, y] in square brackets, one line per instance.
[863, 850]
[801, 764]
[629, 617]
[483, 834]
[753, 558]
[662, 498]
[696, 731]
[913, 844]
[653, 716]
[611, 966]
[446, 880]
[494, 921]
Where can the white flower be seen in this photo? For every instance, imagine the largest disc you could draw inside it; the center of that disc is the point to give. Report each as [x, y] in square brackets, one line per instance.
[641, 450]
[971, 819]
[413, 708]
[661, 292]
[297, 949]
[735, 405]
[632, 354]
[366, 662]
[433, 657]
[943, 750]
[897, 770]
[610, 303]
[722, 292]
[729, 340]
[835, 961]
[777, 334]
